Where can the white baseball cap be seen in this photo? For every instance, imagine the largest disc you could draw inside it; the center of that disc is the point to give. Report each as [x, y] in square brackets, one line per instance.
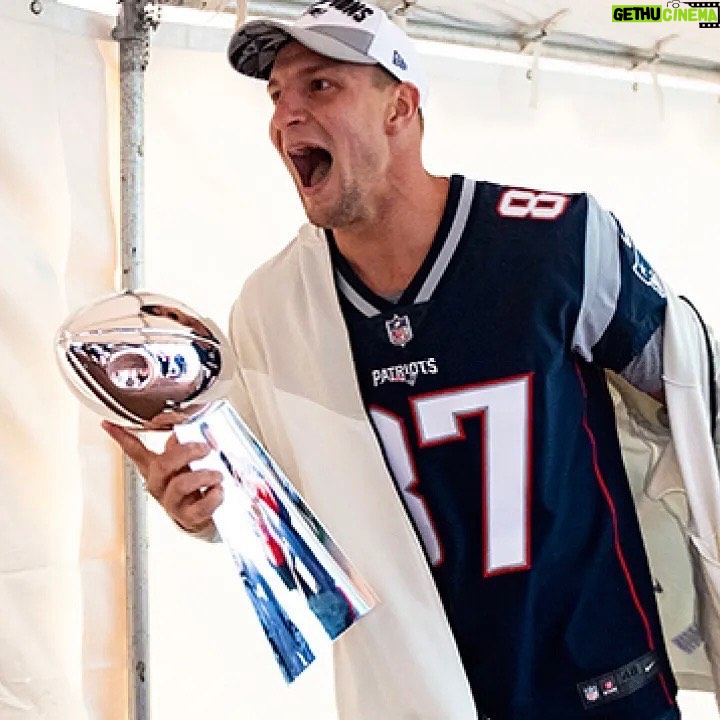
[347, 30]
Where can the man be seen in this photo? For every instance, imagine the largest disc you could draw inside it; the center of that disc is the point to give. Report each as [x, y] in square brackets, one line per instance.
[479, 320]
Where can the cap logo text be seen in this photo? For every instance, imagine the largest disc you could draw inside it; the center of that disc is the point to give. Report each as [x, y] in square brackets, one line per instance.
[354, 9]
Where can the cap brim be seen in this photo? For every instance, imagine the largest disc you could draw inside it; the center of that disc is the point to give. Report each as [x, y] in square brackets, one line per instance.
[253, 47]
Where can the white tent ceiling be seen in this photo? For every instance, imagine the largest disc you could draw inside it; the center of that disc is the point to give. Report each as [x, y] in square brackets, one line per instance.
[583, 24]
[582, 31]
[579, 30]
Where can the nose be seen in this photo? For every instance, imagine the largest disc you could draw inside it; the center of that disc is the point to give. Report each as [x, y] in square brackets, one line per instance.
[289, 110]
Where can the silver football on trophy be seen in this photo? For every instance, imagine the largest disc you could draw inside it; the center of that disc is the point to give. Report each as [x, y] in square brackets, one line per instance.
[143, 360]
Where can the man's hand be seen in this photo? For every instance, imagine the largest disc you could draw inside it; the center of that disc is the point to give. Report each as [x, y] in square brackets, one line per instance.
[188, 496]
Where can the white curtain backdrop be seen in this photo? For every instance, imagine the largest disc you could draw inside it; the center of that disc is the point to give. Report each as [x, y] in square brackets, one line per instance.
[218, 203]
[61, 582]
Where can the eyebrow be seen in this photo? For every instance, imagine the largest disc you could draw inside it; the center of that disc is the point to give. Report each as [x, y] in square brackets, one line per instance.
[310, 70]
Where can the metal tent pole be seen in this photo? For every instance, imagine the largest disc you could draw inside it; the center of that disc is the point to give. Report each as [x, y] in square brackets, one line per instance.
[132, 35]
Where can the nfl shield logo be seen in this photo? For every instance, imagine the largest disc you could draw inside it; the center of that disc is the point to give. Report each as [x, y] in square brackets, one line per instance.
[592, 693]
[399, 330]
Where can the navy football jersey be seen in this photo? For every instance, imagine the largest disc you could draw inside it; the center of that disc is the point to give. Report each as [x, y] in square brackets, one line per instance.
[485, 385]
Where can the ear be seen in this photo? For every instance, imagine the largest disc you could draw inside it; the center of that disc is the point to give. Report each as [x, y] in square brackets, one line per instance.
[404, 108]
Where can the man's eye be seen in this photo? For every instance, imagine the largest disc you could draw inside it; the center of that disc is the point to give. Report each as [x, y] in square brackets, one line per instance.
[274, 96]
[319, 84]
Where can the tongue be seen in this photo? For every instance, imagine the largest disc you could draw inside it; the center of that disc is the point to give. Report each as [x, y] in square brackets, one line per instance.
[319, 171]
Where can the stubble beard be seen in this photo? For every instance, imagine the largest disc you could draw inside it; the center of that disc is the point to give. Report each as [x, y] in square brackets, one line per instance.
[346, 210]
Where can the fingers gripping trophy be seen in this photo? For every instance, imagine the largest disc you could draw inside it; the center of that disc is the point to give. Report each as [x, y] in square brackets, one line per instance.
[147, 362]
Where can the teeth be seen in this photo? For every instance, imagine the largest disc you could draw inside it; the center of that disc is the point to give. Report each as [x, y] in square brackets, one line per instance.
[301, 152]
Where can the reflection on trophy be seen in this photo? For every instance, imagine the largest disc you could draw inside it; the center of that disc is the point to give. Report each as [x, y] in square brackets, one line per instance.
[150, 363]
[144, 361]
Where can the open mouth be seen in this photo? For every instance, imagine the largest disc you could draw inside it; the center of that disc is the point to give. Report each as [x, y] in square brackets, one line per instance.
[312, 164]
